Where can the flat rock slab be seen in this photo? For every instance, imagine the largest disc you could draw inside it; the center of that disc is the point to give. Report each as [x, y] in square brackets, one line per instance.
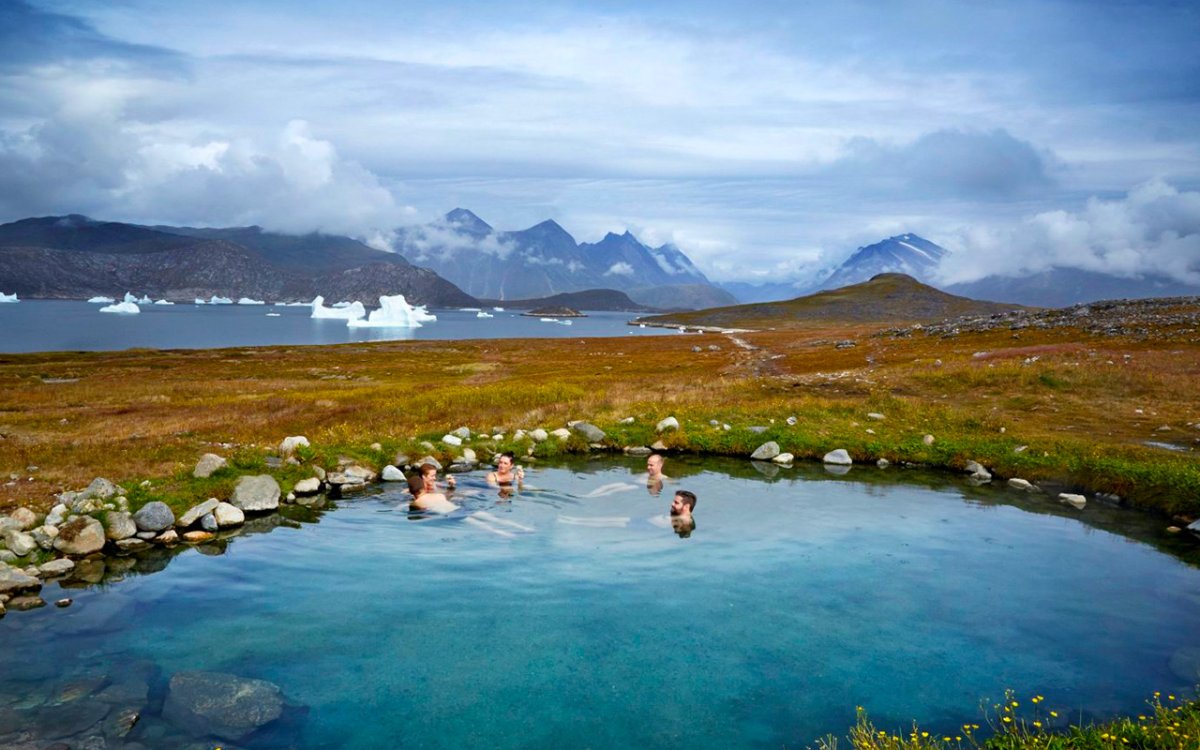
[256, 494]
[224, 705]
[766, 451]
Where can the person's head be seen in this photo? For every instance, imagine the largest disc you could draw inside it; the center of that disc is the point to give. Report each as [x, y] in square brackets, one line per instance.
[429, 477]
[683, 504]
[416, 485]
[654, 464]
[504, 464]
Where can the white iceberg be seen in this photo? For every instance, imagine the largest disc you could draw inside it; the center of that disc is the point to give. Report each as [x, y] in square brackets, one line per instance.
[248, 301]
[469, 309]
[395, 312]
[482, 314]
[163, 302]
[201, 302]
[215, 300]
[9, 297]
[102, 300]
[145, 300]
[343, 304]
[567, 322]
[130, 299]
[548, 320]
[272, 315]
[498, 309]
[123, 308]
[352, 312]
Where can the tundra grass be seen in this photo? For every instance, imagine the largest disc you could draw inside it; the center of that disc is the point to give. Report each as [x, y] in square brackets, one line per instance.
[1110, 414]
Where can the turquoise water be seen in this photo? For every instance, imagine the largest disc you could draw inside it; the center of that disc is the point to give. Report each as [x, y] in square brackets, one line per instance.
[794, 600]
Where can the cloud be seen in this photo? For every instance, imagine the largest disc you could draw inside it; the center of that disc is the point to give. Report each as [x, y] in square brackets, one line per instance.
[1154, 229]
[619, 269]
[445, 240]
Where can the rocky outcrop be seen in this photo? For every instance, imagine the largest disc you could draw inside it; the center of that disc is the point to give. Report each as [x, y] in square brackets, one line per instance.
[220, 704]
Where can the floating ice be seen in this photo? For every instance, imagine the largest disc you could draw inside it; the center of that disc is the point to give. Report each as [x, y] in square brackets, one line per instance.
[163, 302]
[145, 300]
[342, 304]
[130, 298]
[394, 312]
[9, 297]
[272, 315]
[123, 308]
[548, 320]
[567, 322]
[351, 312]
[215, 300]
[482, 314]
[102, 300]
[498, 309]
[248, 301]
[201, 302]
[469, 309]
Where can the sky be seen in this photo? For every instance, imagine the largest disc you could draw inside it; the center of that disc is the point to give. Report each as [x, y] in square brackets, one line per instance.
[767, 140]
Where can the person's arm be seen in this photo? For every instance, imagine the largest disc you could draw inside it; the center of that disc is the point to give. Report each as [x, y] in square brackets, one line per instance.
[492, 479]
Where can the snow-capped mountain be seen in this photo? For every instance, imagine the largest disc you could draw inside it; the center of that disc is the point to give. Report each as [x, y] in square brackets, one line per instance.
[908, 254]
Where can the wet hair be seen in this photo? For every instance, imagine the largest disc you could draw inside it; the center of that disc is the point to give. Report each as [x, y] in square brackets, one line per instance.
[426, 468]
[689, 498]
[416, 485]
[507, 454]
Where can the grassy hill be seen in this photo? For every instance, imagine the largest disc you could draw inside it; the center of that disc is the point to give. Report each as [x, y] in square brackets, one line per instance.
[887, 297]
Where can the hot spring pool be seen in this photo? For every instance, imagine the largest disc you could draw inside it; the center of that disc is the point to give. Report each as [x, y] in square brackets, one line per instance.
[795, 599]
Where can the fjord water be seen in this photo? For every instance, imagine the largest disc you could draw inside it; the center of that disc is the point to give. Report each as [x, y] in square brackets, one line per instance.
[63, 325]
[795, 599]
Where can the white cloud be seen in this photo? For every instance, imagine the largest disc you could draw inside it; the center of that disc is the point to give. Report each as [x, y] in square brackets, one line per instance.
[620, 268]
[447, 241]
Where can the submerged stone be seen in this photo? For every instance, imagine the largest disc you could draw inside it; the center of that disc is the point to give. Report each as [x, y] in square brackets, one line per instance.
[220, 704]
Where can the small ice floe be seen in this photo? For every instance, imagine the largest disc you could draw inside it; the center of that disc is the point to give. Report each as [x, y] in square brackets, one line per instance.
[482, 314]
[394, 312]
[145, 300]
[548, 320]
[349, 312]
[9, 297]
[497, 309]
[201, 301]
[469, 309]
[122, 308]
[102, 300]
[248, 301]
[641, 325]
[273, 315]
[567, 322]
[130, 298]
[163, 302]
[215, 300]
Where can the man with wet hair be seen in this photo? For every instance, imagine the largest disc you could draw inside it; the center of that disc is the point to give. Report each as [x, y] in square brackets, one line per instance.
[681, 513]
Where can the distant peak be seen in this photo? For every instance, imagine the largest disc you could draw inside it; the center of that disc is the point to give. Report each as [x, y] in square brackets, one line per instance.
[467, 220]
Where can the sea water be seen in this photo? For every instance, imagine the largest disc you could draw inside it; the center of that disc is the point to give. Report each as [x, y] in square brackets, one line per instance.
[572, 613]
[62, 325]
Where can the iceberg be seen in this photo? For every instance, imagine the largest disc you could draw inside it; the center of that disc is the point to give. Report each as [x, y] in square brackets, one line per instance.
[548, 320]
[123, 308]
[8, 297]
[215, 300]
[394, 312]
[248, 301]
[145, 300]
[130, 298]
[498, 309]
[102, 300]
[469, 309]
[200, 301]
[163, 302]
[343, 304]
[352, 312]
[482, 314]
[272, 315]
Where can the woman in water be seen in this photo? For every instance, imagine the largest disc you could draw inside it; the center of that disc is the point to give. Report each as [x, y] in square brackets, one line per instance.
[505, 472]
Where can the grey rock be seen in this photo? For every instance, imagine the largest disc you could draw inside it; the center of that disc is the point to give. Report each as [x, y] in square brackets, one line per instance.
[13, 581]
[256, 493]
[196, 512]
[627, 420]
[876, 416]
[319, 473]
[562, 433]
[360, 474]
[766, 451]
[207, 464]
[637, 450]
[7, 556]
[208, 522]
[539, 435]
[462, 433]
[132, 544]
[757, 429]
[784, 458]
[170, 536]
[291, 443]
[1078, 502]
[18, 542]
[1021, 484]
[927, 440]
[312, 485]
[589, 431]
[792, 421]
[883, 463]
[469, 456]
[224, 705]
[82, 535]
[1194, 527]
[430, 460]
[25, 518]
[146, 534]
[25, 602]
[400, 460]
[976, 470]
[154, 516]
[228, 515]
[670, 423]
[839, 457]
[658, 445]
[44, 536]
[390, 474]
[58, 567]
[57, 515]
[454, 440]
[101, 489]
[82, 505]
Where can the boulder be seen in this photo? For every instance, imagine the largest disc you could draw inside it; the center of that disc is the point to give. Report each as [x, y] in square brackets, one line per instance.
[26, 519]
[876, 416]
[462, 433]
[1075, 501]
[119, 525]
[637, 450]
[562, 433]
[224, 705]
[291, 443]
[766, 451]
[627, 420]
[539, 435]
[589, 431]
[883, 463]
[13, 581]
[312, 485]
[670, 423]
[209, 523]
[18, 542]
[390, 474]
[469, 456]
[170, 536]
[57, 515]
[256, 494]
[454, 440]
[207, 464]
[101, 489]
[927, 440]
[154, 516]
[977, 471]
[430, 460]
[196, 512]
[44, 536]
[82, 535]
[360, 474]
[58, 567]
[839, 457]
[1021, 484]
[784, 458]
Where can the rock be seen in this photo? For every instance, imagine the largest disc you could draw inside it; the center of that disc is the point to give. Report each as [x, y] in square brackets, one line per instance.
[58, 567]
[44, 536]
[82, 505]
[256, 493]
[790, 420]
[469, 456]
[977, 471]
[670, 423]
[562, 433]
[26, 519]
[154, 516]
[462, 433]
[18, 542]
[627, 420]
[291, 443]
[1193, 527]
[454, 440]
[400, 460]
[927, 440]
[839, 457]
[196, 512]
[207, 464]
[784, 458]
[13, 581]
[637, 450]
[7, 556]
[377, 447]
[390, 474]
[208, 522]
[589, 431]
[876, 416]
[658, 446]
[1021, 484]
[82, 535]
[132, 544]
[64, 603]
[766, 451]
[1075, 501]
[1173, 529]
[319, 473]
[518, 435]
[360, 474]
[170, 536]
[883, 463]
[1020, 449]
[430, 460]
[757, 429]
[311, 486]
[26, 602]
[57, 515]
[224, 705]
[100, 489]
[539, 435]
[195, 537]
